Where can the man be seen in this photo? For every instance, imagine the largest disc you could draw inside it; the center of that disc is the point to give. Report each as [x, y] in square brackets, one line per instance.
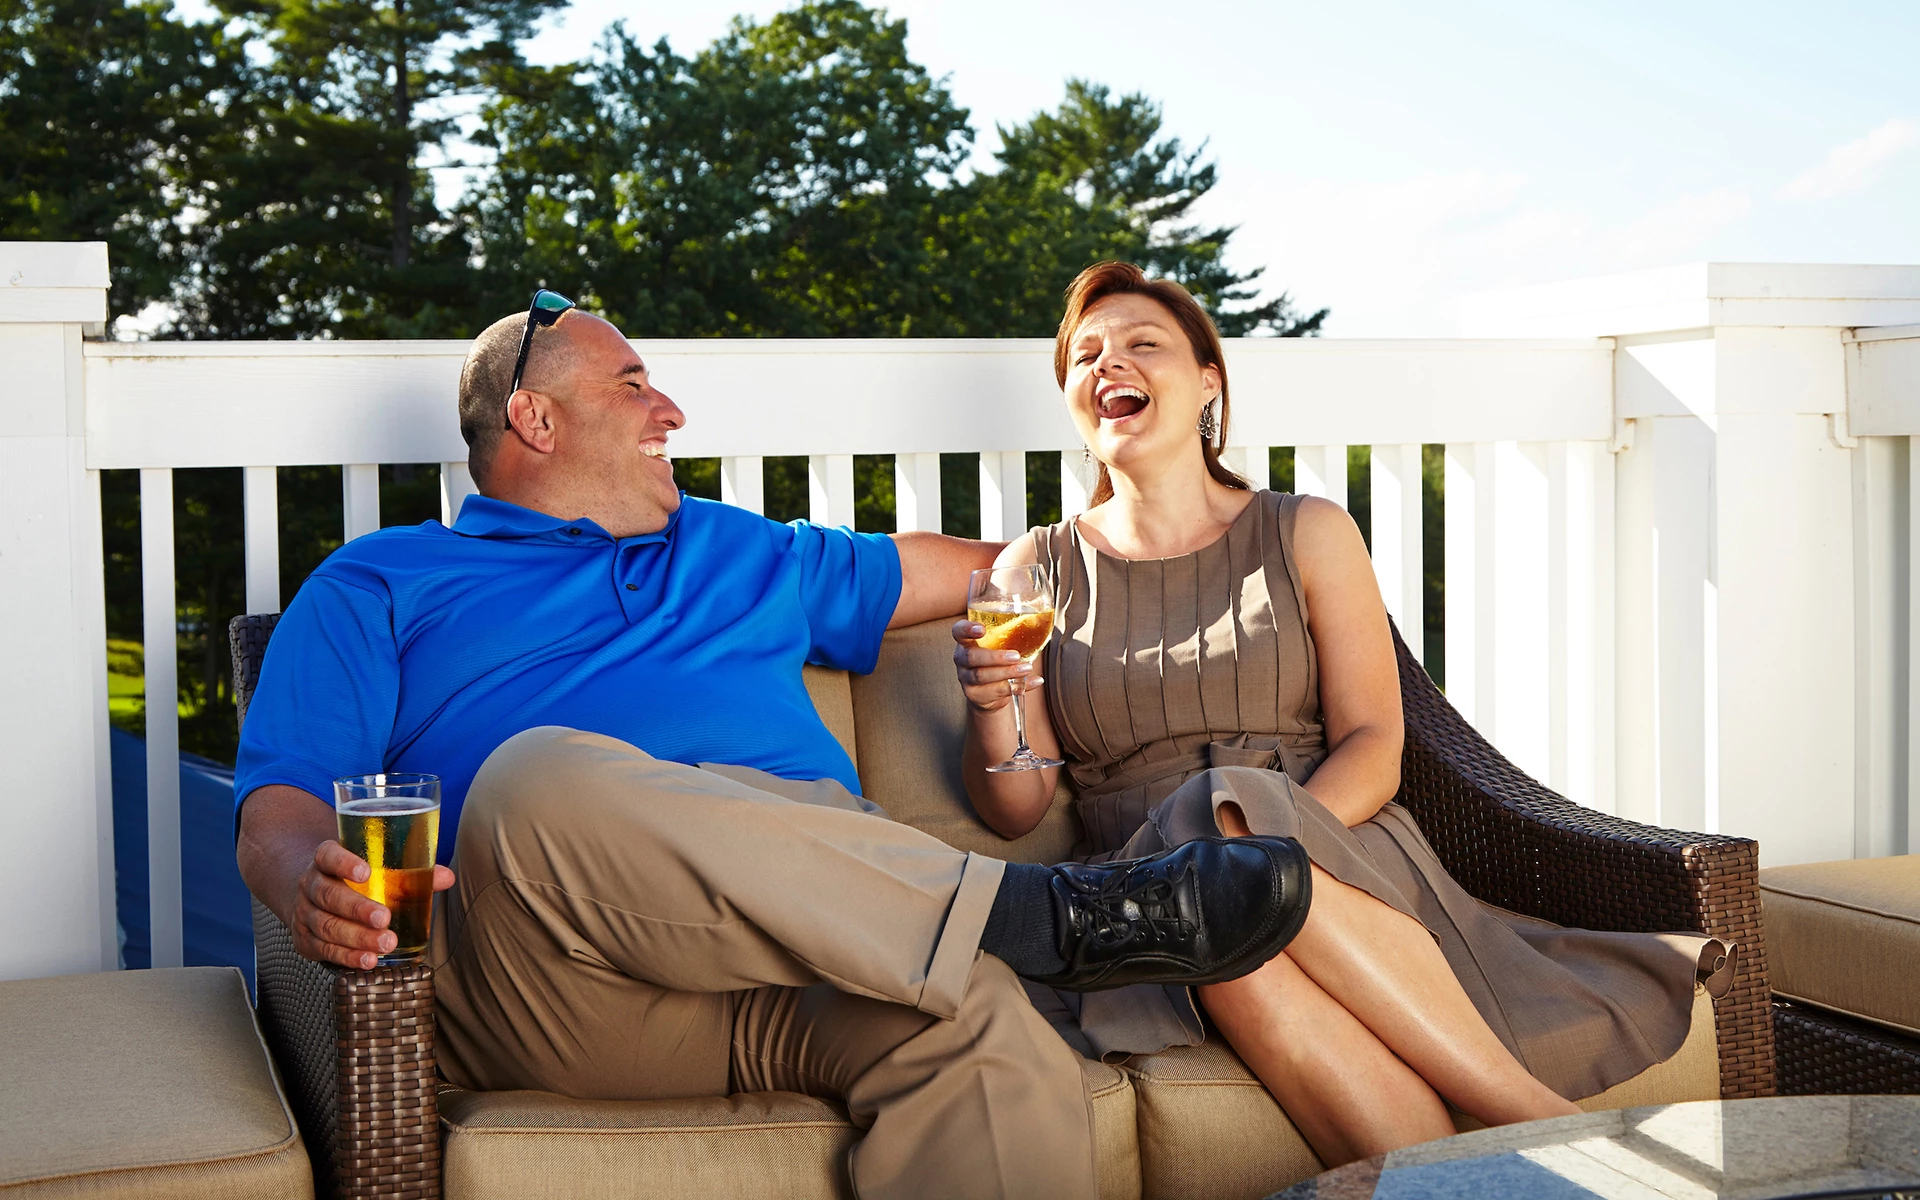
[625, 924]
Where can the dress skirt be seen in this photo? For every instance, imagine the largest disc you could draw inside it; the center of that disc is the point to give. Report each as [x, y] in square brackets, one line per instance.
[1581, 1009]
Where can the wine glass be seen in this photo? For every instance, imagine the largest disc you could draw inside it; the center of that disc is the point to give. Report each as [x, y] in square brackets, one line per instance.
[1014, 606]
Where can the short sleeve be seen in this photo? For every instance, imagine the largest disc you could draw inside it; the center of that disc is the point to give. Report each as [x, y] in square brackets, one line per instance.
[849, 587]
[328, 691]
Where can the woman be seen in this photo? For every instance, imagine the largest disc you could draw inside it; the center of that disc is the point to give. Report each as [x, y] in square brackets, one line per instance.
[1214, 650]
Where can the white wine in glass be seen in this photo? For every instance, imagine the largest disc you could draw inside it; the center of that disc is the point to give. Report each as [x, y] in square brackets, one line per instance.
[1014, 606]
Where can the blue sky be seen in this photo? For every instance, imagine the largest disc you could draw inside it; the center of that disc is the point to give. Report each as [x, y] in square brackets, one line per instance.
[1385, 157]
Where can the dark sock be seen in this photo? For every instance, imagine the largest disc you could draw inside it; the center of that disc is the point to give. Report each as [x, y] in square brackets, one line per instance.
[1020, 926]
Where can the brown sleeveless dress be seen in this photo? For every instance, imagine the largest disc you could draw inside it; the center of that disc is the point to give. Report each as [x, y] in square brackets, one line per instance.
[1179, 684]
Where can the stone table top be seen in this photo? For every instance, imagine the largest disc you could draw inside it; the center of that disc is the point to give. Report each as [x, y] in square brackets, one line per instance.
[1706, 1150]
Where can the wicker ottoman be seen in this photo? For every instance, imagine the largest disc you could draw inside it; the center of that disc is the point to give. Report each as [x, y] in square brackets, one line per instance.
[1844, 938]
[142, 1083]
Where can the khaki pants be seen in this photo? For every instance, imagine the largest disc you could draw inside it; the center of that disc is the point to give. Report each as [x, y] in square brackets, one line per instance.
[627, 928]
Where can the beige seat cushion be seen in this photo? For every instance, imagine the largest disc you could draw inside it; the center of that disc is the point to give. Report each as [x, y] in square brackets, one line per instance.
[1845, 936]
[527, 1145]
[1209, 1129]
[142, 1083]
[909, 719]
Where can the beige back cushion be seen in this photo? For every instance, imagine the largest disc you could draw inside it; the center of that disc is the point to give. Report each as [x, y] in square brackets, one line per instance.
[908, 719]
[834, 702]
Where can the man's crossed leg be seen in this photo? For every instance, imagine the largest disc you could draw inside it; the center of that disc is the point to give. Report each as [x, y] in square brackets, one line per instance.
[625, 927]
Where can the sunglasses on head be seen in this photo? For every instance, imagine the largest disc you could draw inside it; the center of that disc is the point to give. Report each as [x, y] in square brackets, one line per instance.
[545, 310]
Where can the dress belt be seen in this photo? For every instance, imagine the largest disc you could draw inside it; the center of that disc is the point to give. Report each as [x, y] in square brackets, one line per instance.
[1262, 751]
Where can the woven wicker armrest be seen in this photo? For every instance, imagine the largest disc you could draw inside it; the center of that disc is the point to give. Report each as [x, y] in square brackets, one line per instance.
[354, 1048]
[1513, 842]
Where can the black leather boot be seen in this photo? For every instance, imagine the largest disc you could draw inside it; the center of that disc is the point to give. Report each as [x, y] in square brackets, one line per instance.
[1207, 911]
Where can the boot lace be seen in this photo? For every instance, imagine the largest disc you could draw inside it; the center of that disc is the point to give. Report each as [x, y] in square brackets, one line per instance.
[1136, 903]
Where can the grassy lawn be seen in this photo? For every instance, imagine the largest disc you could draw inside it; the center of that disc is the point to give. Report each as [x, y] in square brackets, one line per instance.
[127, 687]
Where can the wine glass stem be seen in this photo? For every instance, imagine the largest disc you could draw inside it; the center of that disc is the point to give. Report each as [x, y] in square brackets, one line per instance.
[1020, 718]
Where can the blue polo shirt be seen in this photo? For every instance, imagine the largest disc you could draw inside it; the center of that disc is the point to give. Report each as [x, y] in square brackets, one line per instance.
[424, 648]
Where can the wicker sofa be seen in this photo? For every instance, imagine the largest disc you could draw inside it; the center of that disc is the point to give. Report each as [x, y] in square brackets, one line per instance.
[356, 1048]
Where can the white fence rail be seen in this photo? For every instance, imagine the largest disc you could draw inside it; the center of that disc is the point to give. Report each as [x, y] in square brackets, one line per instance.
[1669, 558]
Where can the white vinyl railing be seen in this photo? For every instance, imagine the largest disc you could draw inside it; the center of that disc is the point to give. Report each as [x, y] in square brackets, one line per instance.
[1677, 560]
[259, 406]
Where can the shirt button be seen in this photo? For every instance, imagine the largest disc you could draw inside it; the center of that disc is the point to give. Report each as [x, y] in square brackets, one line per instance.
[573, 533]
[633, 587]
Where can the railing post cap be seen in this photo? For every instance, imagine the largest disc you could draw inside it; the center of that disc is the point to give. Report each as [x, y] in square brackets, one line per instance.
[53, 282]
[53, 265]
[1699, 296]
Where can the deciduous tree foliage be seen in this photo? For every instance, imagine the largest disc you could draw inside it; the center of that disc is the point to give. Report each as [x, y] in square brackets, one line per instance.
[804, 177]
[105, 110]
[319, 213]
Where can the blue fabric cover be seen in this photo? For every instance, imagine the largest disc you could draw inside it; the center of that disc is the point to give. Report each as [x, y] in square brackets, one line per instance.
[424, 648]
[217, 918]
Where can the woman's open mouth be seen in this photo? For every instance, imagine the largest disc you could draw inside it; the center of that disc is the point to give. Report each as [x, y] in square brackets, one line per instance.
[1120, 403]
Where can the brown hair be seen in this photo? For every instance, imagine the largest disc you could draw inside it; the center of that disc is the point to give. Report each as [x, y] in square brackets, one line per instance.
[485, 377]
[1105, 279]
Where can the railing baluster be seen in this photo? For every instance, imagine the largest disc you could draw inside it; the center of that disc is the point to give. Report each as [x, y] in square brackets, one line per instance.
[160, 632]
[743, 482]
[261, 522]
[1913, 646]
[916, 490]
[1516, 607]
[1469, 580]
[830, 489]
[1321, 471]
[456, 484]
[1580, 500]
[1396, 537]
[1077, 479]
[90, 597]
[1565, 548]
[1003, 494]
[360, 498]
[1250, 463]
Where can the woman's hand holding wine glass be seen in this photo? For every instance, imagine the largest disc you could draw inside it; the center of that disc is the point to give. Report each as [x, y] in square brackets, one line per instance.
[1009, 618]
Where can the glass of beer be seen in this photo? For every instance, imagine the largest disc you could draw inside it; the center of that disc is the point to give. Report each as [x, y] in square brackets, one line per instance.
[1014, 606]
[392, 820]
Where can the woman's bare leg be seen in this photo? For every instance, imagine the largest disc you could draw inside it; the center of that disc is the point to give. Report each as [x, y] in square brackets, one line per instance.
[1384, 968]
[1344, 1090]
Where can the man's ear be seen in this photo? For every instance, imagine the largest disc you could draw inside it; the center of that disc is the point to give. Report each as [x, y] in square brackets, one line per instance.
[532, 415]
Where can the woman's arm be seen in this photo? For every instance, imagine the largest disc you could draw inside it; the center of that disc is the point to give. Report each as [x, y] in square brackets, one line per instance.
[1010, 802]
[1359, 679]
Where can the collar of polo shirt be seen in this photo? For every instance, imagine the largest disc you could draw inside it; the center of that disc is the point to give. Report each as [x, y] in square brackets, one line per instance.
[483, 516]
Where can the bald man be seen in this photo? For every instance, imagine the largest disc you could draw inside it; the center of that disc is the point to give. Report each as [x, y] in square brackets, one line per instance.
[660, 877]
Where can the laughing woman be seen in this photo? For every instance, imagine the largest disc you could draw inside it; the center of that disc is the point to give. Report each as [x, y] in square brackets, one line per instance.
[1221, 663]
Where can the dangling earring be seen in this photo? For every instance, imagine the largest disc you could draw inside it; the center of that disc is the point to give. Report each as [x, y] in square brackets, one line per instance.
[1086, 456]
[1206, 426]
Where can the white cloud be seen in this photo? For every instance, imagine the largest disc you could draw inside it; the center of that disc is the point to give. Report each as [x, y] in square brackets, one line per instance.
[1855, 165]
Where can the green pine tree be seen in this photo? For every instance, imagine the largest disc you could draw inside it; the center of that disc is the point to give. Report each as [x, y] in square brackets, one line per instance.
[320, 218]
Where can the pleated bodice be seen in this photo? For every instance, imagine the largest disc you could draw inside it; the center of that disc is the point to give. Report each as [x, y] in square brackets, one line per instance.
[1161, 668]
